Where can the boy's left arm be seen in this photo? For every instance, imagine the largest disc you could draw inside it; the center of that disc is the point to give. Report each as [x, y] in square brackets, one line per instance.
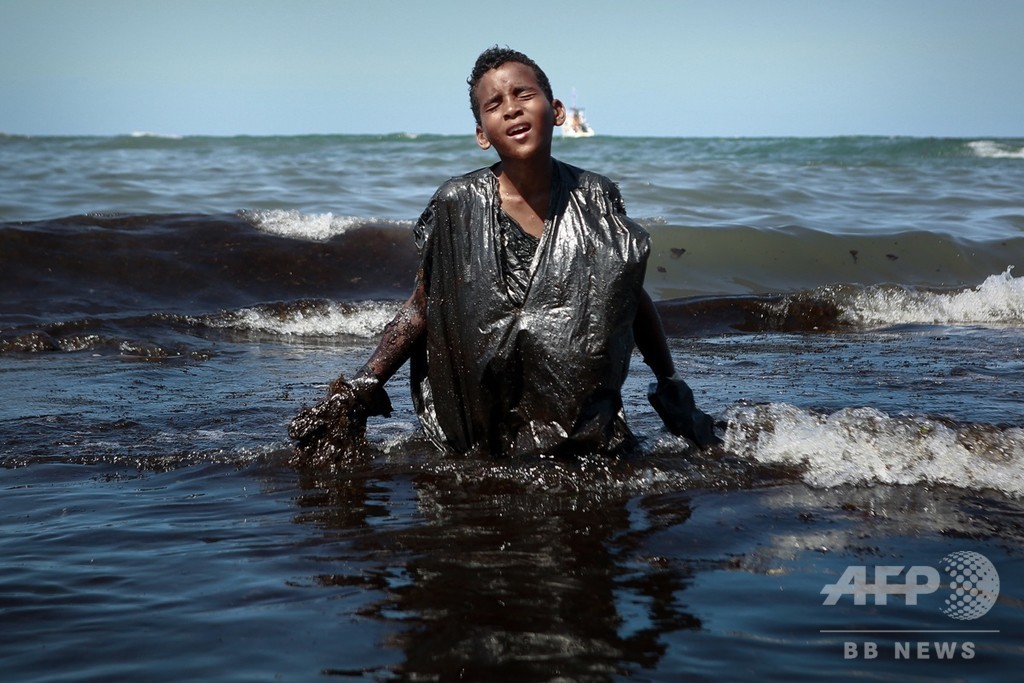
[650, 338]
[670, 396]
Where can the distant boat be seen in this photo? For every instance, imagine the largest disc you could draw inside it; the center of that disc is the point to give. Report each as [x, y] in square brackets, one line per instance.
[576, 124]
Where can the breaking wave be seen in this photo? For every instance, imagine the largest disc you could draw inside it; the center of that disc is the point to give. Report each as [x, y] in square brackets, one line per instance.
[865, 446]
[990, 149]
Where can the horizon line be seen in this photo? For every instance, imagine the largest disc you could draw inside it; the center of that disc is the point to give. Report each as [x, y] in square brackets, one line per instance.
[413, 136]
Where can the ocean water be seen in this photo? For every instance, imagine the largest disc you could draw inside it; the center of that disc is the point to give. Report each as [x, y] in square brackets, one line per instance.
[851, 309]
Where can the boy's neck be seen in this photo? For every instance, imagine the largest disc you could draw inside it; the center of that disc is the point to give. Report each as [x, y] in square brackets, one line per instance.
[526, 180]
[525, 192]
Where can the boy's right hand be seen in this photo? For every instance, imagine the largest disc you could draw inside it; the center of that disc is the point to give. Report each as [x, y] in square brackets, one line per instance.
[368, 394]
[335, 428]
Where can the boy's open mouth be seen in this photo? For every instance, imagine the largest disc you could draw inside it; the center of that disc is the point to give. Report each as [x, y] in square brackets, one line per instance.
[518, 130]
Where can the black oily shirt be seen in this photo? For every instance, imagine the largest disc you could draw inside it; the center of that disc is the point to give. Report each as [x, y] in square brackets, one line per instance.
[518, 248]
[544, 375]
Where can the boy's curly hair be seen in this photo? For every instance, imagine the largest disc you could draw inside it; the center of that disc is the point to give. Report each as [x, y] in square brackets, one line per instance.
[492, 58]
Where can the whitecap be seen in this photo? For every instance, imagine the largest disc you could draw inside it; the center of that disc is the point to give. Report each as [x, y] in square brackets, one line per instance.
[997, 300]
[299, 225]
[309, 319]
[989, 149]
[865, 446]
[159, 136]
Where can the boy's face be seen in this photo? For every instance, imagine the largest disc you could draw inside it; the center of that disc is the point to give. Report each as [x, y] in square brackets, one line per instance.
[516, 117]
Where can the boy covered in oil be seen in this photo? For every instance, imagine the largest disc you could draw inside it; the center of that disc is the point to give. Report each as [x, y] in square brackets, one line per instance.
[527, 303]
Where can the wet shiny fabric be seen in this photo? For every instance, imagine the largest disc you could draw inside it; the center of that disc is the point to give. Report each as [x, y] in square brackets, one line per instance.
[540, 372]
[518, 250]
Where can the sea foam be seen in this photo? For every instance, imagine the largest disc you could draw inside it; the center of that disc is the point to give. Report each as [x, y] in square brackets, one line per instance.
[299, 225]
[865, 446]
[997, 300]
[308, 319]
[989, 149]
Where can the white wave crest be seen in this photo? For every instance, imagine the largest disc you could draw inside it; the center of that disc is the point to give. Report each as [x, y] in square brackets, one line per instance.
[320, 319]
[997, 300]
[989, 149]
[158, 136]
[864, 446]
[291, 223]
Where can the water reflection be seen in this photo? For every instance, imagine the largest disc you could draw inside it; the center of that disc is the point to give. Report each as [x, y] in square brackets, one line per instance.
[512, 572]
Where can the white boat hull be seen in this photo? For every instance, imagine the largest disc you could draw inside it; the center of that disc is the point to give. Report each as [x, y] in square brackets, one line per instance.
[570, 132]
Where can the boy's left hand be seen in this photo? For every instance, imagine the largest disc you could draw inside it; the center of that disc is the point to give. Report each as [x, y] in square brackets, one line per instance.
[673, 400]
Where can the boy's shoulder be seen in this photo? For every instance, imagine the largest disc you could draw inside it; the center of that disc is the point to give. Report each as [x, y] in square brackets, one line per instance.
[573, 177]
[576, 177]
[456, 187]
[477, 183]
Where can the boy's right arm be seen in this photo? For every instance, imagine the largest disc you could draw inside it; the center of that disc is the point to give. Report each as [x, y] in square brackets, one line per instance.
[399, 337]
[335, 427]
[394, 349]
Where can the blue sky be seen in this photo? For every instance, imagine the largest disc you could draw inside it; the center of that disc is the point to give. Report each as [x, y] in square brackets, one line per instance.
[647, 67]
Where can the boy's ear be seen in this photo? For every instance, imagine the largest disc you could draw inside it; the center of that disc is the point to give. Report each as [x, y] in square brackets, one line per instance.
[559, 111]
[481, 139]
